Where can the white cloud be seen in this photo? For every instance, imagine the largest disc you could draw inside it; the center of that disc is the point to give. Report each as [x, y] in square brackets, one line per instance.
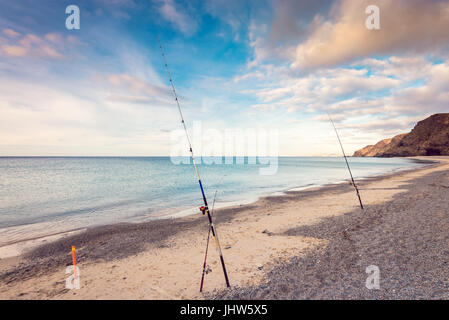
[79, 118]
[31, 46]
[331, 66]
[11, 33]
[370, 100]
[412, 25]
[312, 35]
[180, 19]
[87, 108]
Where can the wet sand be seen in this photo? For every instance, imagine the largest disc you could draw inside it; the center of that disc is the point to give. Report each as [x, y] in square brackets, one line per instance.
[306, 232]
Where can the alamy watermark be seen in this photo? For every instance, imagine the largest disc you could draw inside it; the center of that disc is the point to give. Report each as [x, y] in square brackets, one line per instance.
[73, 281]
[229, 146]
[372, 22]
[73, 21]
[373, 280]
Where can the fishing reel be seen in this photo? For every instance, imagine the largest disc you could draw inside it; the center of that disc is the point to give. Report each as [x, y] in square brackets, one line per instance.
[203, 209]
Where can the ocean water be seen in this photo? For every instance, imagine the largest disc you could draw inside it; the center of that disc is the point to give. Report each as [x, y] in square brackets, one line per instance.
[40, 195]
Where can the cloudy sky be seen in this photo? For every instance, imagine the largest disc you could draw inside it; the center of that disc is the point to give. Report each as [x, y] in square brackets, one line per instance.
[102, 90]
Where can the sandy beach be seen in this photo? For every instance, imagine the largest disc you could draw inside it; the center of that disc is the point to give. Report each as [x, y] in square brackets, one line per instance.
[311, 244]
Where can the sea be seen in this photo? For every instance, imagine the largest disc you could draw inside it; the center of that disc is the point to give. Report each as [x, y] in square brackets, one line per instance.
[47, 195]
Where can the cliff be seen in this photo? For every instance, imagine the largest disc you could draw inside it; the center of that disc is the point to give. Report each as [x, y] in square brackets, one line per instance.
[430, 137]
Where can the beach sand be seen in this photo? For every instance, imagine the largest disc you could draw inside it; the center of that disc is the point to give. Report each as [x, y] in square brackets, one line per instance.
[317, 244]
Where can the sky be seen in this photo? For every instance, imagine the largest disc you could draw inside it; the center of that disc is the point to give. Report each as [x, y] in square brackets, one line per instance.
[279, 65]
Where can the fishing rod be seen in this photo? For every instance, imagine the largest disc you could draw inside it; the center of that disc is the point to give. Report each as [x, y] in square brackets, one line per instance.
[207, 247]
[204, 209]
[347, 163]
[208, 237]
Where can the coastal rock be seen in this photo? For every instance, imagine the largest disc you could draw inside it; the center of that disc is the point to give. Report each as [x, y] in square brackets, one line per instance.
[430, 137]
[378, 148]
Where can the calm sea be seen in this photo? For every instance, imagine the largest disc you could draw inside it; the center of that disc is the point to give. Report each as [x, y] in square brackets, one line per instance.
[44, 195]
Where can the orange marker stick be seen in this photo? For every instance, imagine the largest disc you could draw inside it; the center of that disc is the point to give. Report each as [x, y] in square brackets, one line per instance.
[74, 261]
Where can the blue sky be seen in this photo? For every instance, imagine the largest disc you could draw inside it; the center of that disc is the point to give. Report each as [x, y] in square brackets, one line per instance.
[282, 65]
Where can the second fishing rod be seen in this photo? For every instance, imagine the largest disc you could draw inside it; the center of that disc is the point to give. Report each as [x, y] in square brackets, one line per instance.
[204, 209]
[347, 163]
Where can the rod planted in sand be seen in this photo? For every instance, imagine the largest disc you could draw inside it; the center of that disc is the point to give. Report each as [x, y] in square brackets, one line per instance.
[347, 163]
[205, 209]
[207, 247]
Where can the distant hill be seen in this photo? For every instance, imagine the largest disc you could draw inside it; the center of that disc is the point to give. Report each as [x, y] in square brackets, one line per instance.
[430, 137]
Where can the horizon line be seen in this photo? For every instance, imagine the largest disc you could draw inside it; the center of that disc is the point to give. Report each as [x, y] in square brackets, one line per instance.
[155, 156]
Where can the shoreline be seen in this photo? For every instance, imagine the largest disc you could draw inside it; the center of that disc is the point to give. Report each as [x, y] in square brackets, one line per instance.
[181, 241]
[405, 238]
[18, 247]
